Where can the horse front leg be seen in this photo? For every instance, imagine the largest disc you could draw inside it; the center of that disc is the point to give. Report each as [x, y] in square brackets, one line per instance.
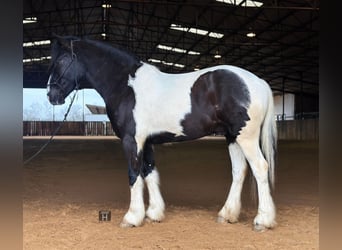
[136, 212]
[155, 211]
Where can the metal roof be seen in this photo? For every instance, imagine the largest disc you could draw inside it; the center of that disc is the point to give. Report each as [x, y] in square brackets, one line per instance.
[169, 34]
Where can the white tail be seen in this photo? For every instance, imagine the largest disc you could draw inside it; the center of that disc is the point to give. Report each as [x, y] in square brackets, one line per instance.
[269, 139]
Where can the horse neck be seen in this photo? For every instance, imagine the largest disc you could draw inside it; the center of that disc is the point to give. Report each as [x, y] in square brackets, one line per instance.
[107, 74]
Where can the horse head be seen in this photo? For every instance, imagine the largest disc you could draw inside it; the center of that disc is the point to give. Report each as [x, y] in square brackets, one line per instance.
[65, 70]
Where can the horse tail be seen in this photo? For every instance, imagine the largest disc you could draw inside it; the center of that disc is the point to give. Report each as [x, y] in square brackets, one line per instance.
[268, 139]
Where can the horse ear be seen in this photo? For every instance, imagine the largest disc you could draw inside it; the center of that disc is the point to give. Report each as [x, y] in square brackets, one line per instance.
[62, 41]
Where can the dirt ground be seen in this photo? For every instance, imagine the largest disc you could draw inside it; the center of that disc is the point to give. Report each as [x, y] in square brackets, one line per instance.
[74, 178]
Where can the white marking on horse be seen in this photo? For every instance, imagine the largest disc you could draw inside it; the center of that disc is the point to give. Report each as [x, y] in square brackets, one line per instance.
[156, 208]
[48, 83]
[163, 100]
[136, 211]
[232, 207]
[249, 143]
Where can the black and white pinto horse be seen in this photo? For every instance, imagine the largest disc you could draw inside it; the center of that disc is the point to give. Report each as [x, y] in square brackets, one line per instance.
[146, 107]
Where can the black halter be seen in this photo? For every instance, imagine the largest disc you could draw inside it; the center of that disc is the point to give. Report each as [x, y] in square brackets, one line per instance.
[55, 82]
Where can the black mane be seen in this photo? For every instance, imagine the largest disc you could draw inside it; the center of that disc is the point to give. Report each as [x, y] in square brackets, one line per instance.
[126, 59]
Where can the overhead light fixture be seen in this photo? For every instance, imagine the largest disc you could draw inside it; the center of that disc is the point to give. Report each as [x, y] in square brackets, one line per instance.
[244, 3]
[217, 55]
[36, 43]
[106, 6]
[250, 34]
[27, 20]
[196, 31]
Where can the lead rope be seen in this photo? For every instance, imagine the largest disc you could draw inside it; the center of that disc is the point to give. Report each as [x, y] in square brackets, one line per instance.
[54, 133]
[65, 115]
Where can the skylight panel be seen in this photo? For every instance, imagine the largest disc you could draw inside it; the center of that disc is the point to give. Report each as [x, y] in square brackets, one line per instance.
[27, 20]
[178, 50]
[178, 65]
[36, 43]
[247, 3]
[164, 47]
[215, 35]
[196, 31]
[154, 60]
[37, 59]
[178, 27]
[195, 53]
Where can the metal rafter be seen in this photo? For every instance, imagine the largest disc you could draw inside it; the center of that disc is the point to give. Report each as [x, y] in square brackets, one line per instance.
[286, 42]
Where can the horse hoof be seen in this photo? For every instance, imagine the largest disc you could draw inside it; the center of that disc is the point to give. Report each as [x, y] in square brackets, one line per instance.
[222, 220]
[259, 228]
[149, 220]
[125, 224]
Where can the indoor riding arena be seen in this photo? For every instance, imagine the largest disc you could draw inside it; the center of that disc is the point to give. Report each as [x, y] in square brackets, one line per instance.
[76, 188]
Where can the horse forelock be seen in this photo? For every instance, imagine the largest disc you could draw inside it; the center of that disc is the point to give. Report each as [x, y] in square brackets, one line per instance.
[57, 50]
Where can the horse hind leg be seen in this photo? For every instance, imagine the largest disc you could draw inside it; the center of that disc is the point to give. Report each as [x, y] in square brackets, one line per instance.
[231, 210]
[155, 211]
[266, 208]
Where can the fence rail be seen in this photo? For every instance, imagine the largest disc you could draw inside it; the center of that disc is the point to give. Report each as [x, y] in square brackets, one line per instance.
[43, 128]
[298, 129]
[287, 130]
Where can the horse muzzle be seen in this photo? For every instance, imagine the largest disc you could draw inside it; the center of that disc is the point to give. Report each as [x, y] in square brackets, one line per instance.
[56, 99]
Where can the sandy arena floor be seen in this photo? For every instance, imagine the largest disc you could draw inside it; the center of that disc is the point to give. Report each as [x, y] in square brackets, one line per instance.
[72, 179]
